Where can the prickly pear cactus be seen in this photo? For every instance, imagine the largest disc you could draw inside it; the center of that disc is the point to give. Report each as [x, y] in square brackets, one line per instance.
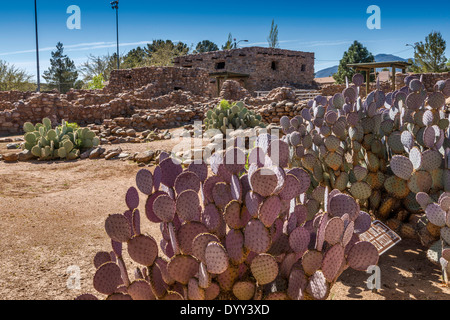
[236, 234]
[383, 150]
[437, 223]
[63, 142]
[338, 142]
[234, 116]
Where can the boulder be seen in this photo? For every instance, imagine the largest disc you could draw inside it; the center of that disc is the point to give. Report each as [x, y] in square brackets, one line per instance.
[86, 154]
[131, 132]
[96, 153]
[112, 153]
[13, 146]
[145, 157]
[10, 157]
[26, 155]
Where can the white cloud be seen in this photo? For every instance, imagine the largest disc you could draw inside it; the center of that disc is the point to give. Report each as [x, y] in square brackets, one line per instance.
[265, 43]
[78, 47]
[327, 43]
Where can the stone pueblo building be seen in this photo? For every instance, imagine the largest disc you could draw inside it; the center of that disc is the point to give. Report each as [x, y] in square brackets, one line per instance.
[256, 68]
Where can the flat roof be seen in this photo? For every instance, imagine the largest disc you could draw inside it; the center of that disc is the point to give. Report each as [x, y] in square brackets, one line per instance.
[385, 64]
[229, 74]
[256, 49]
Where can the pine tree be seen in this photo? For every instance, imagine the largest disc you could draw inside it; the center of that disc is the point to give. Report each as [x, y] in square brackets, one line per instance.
[429, 56]
[62, 74]
[206, 46]
[357, 53]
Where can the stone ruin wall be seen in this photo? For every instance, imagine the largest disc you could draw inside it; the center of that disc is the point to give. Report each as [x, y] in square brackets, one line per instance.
[130, 112]
[280, 102]
[292, 68]
[145, 88]
[144, 108]
[163, 79]
[167, 96]
[332, 89]
[429, 80]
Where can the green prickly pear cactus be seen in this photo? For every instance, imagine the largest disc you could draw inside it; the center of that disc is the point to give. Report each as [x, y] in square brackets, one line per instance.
[62, 142]
[234, 116]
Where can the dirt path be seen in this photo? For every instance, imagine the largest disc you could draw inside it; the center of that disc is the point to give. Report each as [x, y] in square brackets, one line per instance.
[52, 217]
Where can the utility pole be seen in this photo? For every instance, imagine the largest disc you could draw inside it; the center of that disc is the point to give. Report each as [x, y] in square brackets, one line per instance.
[115, 5]
[37, 48]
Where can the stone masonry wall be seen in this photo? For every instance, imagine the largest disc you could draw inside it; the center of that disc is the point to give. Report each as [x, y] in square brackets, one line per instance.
[429, 79]
[162, 79]
[142, 88]
[268, 68]
[332, 89]
[52, 106]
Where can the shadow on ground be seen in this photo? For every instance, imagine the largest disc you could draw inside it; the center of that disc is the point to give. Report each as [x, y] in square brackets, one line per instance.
[406, 274]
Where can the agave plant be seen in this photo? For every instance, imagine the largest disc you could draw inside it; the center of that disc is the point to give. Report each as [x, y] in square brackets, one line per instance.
[236, 234]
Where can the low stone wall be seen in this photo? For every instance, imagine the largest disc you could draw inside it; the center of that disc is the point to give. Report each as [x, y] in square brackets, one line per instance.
[332, 89]
[164, 109]
[134, 108]
[273, 112]
[179, 115]
[145, 88]
[7, 98]
[429, 79]
[163, 80]
[55, 108]
[180, 108]
[88, 98]
[13, 96]
[171, 117]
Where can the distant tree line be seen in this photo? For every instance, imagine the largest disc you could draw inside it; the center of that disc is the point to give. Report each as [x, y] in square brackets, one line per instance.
[95, 71]
[92, 74]
[429, 56]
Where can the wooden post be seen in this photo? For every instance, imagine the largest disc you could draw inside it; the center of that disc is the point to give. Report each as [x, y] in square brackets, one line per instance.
[393, 77]
[218, 86]
[367, 81]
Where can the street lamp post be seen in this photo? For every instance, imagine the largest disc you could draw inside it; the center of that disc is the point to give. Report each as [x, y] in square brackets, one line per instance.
[115, 5]
[236, 43]
[37, 48]
[414, 46]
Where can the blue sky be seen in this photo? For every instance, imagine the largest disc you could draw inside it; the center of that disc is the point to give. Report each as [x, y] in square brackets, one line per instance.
[324, 27]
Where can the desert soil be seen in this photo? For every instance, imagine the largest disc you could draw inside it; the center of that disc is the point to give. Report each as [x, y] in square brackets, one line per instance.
[52, 217]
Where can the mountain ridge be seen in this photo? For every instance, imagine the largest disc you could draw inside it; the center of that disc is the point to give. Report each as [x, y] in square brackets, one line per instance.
[382, 57]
